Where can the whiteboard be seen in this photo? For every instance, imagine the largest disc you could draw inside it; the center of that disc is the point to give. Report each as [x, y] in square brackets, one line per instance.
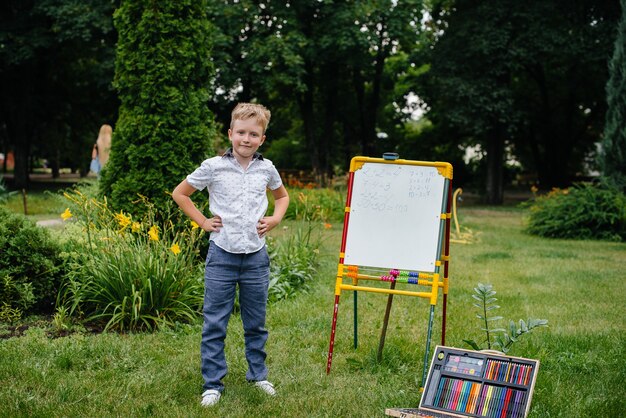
[395, 216]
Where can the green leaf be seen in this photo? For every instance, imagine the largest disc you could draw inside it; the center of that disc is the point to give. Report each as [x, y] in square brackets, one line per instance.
[523, 326]
[472, 344]
[533, 322]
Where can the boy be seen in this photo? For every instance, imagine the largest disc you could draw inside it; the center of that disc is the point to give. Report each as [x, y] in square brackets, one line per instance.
[236, 183]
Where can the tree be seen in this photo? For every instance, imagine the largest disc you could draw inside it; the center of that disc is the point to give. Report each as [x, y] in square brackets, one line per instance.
[163, 70]
[523, 76]
[559, 85]
[322, 67]
[612, 157]
[468, 86]
[56, 66]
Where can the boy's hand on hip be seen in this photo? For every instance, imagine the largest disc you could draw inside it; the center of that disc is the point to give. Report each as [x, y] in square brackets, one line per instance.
[265, 225]
[212, 224]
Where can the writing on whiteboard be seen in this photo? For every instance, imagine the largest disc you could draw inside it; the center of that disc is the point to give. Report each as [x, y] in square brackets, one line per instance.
[393, 188]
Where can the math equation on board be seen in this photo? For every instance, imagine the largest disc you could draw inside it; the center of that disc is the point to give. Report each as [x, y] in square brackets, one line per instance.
[393, 189]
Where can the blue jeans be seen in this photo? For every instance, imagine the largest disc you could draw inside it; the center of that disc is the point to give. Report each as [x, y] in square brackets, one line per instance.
[223, 272]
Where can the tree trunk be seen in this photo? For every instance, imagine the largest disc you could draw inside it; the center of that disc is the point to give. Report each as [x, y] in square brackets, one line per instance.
[374, 102]
[359, 91]
[328, 133]
[20, 134]
[55, 164]
[305, 102]
[22, 158]
[495, 164]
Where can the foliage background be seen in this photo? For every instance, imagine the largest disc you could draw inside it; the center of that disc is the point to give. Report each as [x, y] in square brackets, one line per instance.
[340, 78]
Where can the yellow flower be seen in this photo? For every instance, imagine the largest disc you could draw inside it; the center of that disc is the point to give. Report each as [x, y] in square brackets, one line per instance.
[194, 225]
[135, 227]
[67, 214]
[175, 249]
[154, 233]
[123, 220]
[327, 225]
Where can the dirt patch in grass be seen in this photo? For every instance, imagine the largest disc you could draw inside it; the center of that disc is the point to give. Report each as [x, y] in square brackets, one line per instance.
[10, 331]
[17, 330]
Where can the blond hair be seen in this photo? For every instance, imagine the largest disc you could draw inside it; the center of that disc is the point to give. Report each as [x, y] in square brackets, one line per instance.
[104, 144]
[245, 111]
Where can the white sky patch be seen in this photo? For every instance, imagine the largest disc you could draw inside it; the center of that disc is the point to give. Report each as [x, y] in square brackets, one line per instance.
[414, 106]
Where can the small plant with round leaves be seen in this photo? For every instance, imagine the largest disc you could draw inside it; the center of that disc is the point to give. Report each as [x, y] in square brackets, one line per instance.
[500, 339]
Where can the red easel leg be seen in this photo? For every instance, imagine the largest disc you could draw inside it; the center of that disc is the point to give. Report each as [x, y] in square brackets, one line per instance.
[332, 335]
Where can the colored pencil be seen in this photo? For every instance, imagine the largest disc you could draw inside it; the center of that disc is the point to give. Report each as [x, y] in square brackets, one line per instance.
[467, 386]
[439, 390]
[487, 400]
[507, 399]
[473, 396]
[459, 403]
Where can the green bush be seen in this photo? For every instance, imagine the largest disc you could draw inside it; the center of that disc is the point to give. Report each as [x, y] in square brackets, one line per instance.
[127, 273]
[584, 211]
[4, 192]
[162, 74]
[324, 205]
[30, 265]
[294, 263]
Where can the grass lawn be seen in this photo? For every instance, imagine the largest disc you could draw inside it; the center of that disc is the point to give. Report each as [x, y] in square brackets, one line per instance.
[578, 286]
[39, 204]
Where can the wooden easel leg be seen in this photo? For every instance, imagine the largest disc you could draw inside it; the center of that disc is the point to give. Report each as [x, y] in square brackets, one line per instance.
[427, 352]
[383, 333]
[332, 335]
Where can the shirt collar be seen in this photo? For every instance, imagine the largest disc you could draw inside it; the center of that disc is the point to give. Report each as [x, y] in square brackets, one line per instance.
[229, 153]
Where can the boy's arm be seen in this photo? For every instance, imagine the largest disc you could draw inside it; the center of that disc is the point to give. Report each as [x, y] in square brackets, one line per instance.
[281, 203]
[181, 196]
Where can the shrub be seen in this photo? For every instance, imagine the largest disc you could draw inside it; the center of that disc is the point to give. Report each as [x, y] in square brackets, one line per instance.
[326, 205]
[30, 265]
[162, 74]
[4, 192]
[295, 259]
[126, 273]
[584, 211]
[293, 263]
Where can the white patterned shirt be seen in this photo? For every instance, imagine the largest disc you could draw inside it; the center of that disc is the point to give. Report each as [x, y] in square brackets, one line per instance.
[237, 196]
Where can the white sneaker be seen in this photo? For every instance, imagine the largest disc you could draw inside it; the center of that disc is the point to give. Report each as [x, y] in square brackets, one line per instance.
[266, 387]
[210, 397]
